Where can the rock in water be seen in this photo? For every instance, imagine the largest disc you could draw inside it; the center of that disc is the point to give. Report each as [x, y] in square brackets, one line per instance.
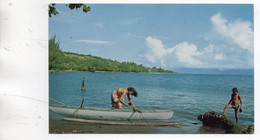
[249, 130]
[215, 119]
[218, 120]
[241, 129]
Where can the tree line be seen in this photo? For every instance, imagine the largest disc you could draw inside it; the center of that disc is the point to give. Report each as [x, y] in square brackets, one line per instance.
[67, 61]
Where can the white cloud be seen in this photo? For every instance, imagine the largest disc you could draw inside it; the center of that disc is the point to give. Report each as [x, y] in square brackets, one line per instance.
[240, 32]
[100, 25]
[149, 57]
[162, 62]
[227, 42]
[157, 48]
[93, 41]
[186, 52]
[209, 48]
[220, 56]
[140, 55]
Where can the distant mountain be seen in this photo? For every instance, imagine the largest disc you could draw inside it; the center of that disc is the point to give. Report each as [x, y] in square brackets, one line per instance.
[215, 71]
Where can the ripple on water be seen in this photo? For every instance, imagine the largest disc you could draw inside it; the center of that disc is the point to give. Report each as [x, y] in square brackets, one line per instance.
[187, 95]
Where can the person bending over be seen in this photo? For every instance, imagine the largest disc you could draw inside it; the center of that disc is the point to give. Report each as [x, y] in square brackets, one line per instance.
[117, 97]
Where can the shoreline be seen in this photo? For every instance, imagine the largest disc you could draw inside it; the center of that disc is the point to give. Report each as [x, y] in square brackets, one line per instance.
[59, 126]
[74, 71]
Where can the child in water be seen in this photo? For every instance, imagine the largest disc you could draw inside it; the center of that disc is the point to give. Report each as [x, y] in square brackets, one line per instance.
[233, 103]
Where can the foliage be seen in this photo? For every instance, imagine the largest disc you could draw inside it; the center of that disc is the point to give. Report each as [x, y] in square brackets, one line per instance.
[54, 11]
[56, 56]
[60, 61]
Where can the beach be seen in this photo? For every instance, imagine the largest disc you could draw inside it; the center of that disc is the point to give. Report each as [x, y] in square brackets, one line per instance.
[59, 126]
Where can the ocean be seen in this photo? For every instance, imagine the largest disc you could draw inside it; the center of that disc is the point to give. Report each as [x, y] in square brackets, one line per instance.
[188, 95]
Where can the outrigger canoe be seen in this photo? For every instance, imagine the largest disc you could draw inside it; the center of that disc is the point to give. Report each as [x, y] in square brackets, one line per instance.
[111, 114]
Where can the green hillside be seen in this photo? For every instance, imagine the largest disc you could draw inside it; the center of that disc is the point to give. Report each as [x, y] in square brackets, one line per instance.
[65, 61]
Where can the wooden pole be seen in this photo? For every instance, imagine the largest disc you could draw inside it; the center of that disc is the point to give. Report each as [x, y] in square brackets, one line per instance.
[58, 102]
[81, 103]
[121, 123]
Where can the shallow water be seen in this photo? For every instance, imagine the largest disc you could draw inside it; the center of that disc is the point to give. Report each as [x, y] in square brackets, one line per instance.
[188, 95]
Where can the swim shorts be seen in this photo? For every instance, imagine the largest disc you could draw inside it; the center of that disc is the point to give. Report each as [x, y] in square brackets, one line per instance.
[235, 106]
[115, 97]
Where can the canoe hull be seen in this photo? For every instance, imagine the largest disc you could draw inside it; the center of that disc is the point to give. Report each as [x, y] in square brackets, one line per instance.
[110, 114]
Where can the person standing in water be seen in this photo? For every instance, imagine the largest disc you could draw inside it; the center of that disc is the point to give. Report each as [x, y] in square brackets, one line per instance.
[83, 88]
[117, 97]
[233, 103]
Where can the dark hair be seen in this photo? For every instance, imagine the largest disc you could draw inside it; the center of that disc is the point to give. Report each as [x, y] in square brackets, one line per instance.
[234, 89]
[134, 91]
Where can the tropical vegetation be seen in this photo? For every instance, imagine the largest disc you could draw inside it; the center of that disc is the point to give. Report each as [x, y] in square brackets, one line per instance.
[66, 61]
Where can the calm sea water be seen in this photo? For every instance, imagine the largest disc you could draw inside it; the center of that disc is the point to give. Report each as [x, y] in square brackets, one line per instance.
[188, 95]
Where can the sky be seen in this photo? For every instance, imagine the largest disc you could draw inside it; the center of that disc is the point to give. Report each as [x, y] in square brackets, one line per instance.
[169, 36]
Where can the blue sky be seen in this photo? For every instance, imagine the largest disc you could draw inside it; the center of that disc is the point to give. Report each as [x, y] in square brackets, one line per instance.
[165, 35]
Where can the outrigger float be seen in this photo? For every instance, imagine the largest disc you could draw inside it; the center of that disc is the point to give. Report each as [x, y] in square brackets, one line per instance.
[105, 115]
[111, 114]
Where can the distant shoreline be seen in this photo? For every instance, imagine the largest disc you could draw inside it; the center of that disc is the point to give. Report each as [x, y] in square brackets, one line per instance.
[70, 71]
